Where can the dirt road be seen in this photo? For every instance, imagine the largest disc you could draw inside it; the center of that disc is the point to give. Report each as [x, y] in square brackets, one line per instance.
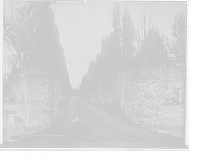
[83, 124]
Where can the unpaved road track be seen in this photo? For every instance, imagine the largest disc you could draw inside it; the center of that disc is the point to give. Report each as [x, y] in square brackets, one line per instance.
[85, 125]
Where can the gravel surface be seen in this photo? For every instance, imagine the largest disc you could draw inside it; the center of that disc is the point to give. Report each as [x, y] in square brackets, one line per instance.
[91, 126]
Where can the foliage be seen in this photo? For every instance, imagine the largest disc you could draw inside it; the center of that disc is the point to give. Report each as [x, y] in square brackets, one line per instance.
[178, 48]
[152, 51]
[172, 113]
[92, 73]
[164, 119]
[15, 84]
[116, 52]
[30, 29]
[128, 37]
[38, 112]
[148, 106]
[104, 73]
[41, 87]
[140, 74]
[65, 85]
[40, 102]
[83, 87]
[6, 92]
[126, 70]
[17, 30]
[148, 85]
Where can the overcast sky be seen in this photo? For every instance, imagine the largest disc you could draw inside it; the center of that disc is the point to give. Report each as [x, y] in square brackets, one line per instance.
[83, 25]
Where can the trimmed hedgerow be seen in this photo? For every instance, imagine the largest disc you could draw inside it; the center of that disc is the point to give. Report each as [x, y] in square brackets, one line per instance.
[172, 113]
[147, 105]
[40, 100]
[147, 88]
[146, 113]
[39, 108]
[40, 87]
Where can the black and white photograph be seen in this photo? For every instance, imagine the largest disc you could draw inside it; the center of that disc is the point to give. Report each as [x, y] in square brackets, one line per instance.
[94, 75]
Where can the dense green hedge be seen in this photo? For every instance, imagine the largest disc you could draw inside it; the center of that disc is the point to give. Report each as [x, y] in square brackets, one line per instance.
[145, 111]
[172, 113]
[40, 87]
[39, 108]
[153, 113]
[146, 85]
[148, 107]
[40, 100]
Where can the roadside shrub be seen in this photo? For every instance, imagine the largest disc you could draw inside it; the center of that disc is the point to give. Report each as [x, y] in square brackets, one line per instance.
[146, 88]
[172, 113]
[40, 87]
[6, 92]
[40, 100]
[15, 84]
[7, 97]
[147, 93]
[145, 112]
[147, 106]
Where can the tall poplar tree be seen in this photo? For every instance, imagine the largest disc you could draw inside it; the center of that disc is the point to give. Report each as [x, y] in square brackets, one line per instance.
[180, 40]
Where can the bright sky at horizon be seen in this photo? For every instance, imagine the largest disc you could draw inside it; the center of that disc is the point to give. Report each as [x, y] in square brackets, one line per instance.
[83, 25]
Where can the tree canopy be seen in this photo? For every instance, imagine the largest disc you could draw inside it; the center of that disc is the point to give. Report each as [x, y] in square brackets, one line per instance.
[29, 27]
[124, 57]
